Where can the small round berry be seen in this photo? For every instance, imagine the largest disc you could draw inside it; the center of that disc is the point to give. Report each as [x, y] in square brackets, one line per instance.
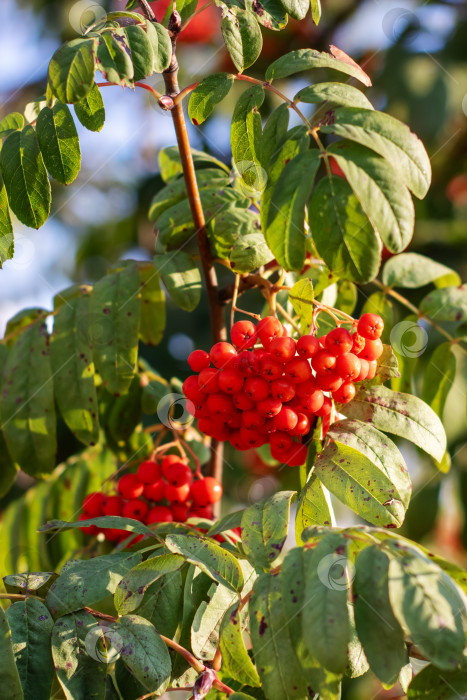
[177, 494]
[256, 388]
[235, 420]
[201, 511]
[286, 419]
[230, 380]
[313, 402]
[371, 326]
[326, 408]
[298, 456]
[149, 472]
[364, 369]
[242, 401]
[306, 388]
[159, 514]
[280, 441]
[339, 341]
[283, 389]
[219, 403]
[269, 328]
[208, 380]
[198, 360]
[247, 363]
[298, 370]
[179, 474]
[270, 367]
[308, 346]
[282, 348]
[372, 367]
[252, 438]
[168, 462]
[345, 393]
[330, 381]
[237, 441]
[206, 491]
[136, 509]
[179, 512]
[222, 354]
[115, 535]
[243, 334]
[372, 350]
[279, 453]
[323, 361]
[269, 407]
[92, 504]
[112, 505]
[191, 389]
[129, 486]
[88, 529]
[358, 343]
[155, 491]
[348, 366]
[303, 425]
[252, 420]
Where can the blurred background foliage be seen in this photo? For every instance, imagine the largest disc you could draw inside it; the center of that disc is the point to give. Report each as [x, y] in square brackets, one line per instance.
[415, 54]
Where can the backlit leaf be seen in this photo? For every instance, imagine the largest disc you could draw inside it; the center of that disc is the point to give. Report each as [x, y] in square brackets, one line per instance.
[59, 143]
[71, 70]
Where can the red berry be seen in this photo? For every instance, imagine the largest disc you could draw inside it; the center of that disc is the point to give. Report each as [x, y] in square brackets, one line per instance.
[89, 529]
[237, 441]
[112, 505]
[307, 346]
[372, 367]
[208, 380]
[256, 388]
[177, 494]
[129, 486]
[242, 401]
[313, 402]
[364, 369]
[221, 354]
[191, 389]
[269, 407]
[159, 514]
[243, 334]
[330, 381]
[235, 419]
[269, 328]
[358, 343]
[114, 535]
[298, 370]
[303, 425]
[345, 393]
[298, 456]
[372, 350]
[348, 366]
[201, 511]
[206, 491]
[136, 508]
[252, 420]
[280, 441]
[270, 367]
[179, 512]
[230, 380]
[179, 474]
[219, 404]
[323, 361]
[252, 438]
[370, 326]
[168, 462]
[247, 363]
[282, 348]
[339, 341]
[155, 492]
[283, 389]
[286, 419]
[149, 472]
[326, 408]
[306, 388]
[198, 360]
[92, 504]
[279, 453]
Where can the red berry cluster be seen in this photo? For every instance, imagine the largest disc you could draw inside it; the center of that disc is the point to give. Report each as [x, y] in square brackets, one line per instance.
[158, 493]
[271, 394]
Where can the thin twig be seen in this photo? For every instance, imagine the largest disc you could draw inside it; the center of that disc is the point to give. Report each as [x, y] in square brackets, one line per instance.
[150, 89]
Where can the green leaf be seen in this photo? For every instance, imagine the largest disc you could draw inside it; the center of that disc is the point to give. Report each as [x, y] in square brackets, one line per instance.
[426, 602]
[377, 186]
[235, 659]
[306, 59]
[312, 507]
[113, 58]
[141, 51]
[242, 36]
[301, 297]
[33, 108]
[186, 8]
[181, 277]
[10, 123]
[143, 652]
[274, 133]
[210, 91]
[71, 70]
[278, 667]
[378, 630]
[265, 526]
[439, 377]
[447, 304]
[342, 233]
[316, 16]
[103, 521]
[27, 406]
[213, 560]
[285, 231]
[29, 581]
[411, 270]
[175, 191]
[9, 677]
[246, 133]
[80, 656]
[162, 604]
[170, 163]
[391, 139]
[232, 226]
[31, 625]
[90, 110]
[161, 45]
[7, 244]
[131, 589]
[115, 312]
[433, 684]
[401, 414]
[250, 252]
[59, 143]
[297, 9]
[330, 94]
[25, 177]
[152, 324]
[269, 13]
[86, 582]
[228, 522]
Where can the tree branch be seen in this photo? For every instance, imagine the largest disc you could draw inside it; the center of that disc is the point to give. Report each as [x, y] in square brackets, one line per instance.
[147, 10]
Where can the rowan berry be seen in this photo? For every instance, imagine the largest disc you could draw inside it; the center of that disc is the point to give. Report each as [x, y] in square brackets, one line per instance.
[279, 453]
[235, 419]
[339, 341]
[237, 441]
[372, 367]
[222, 354]
[129, 486]
[358, 343]
[364, 369]
[92, 504]
[283, 389]
[179, 512]
[230, 380]
[269, 328]
[148, 472]
[307, 346]
[208, 380]
[298, 455]
[179, 474]
[323, 361]
[242, 401]
[221, 433]
[252, 420]
[136, 509]
[219, 403]
[252, 438]
[168, 462]
[270, 367]
[282, 348]
[312, 402]
[243, 334]
[303, 425]
[206, 491]
[176, 494]
[155, 491]
[345, 393]
[201, 511]
[298, 370]
[191, 389]
[256, 388]
[280, 441]
[372, 350]
[112, 505]
[370, 326]
[247, 363]
[326, 407]
[348, 366]
[269, 407]
[198, 360]
[306, 388]
[114, 534]
[159, 514]
[286, 419]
